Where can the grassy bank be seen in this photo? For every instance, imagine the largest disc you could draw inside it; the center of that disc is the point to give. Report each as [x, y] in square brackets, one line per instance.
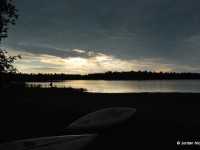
[162, 119]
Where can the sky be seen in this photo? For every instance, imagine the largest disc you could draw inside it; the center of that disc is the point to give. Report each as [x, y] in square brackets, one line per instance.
[90, 36]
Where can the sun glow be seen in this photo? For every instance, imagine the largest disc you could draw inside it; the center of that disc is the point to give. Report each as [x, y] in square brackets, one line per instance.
[76, 61]
[94, 63]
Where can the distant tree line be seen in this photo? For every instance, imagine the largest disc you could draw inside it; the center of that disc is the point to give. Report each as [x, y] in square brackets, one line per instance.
[128, 75]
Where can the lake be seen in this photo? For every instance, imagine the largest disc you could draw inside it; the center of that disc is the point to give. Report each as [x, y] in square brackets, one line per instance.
[124, 86]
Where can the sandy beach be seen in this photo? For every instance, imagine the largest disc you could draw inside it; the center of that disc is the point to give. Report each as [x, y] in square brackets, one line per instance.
[161, 120]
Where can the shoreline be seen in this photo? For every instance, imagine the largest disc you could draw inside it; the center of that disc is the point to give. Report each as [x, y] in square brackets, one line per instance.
[161, 119]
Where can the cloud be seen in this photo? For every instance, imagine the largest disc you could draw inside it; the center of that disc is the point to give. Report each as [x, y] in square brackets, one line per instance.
[124, 31]
[78, 50]
[98, 63]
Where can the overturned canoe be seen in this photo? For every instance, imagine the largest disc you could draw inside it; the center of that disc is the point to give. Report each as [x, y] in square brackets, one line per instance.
[66, 142]
[102, 119]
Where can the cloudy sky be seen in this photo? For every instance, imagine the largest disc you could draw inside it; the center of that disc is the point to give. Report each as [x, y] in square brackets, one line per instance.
[87, 36]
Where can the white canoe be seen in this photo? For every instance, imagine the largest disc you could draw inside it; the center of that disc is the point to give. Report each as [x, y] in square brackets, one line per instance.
[102, 119]
[66, 142]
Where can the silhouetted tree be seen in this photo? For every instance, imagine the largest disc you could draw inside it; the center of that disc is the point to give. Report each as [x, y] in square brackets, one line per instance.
[8, 15]
[6, 62]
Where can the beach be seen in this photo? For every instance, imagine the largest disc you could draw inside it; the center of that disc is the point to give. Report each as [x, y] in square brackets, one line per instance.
[162, 119]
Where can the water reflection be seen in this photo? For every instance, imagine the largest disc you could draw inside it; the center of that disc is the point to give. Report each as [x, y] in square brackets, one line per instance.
[104, 86]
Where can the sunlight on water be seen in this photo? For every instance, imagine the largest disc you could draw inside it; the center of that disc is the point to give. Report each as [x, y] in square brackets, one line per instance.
[103, 86]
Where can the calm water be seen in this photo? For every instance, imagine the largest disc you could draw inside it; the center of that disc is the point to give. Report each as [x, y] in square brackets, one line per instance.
[103, 86]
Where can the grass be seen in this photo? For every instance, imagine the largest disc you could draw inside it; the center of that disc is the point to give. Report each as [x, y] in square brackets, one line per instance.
[161, 119]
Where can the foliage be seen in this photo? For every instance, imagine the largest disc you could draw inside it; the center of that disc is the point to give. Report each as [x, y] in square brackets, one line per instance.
[8, 15]
[6, 62]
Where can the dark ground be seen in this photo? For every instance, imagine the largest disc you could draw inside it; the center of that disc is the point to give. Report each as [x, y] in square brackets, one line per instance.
[161, 119]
